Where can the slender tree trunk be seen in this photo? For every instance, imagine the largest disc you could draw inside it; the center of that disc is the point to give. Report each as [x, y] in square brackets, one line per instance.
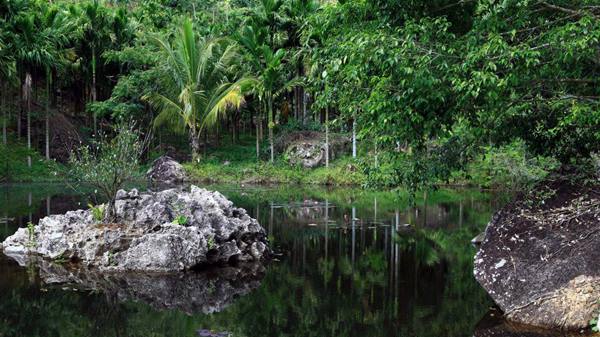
[205, 145]
[195, 143]
[4, 115]
[327, 137]
[304, 117]
[27, 95]
[261, 133]
[354, 137]
[19, 117]
[256, 122]
[48, 81]
[271, 126]
[94, 94]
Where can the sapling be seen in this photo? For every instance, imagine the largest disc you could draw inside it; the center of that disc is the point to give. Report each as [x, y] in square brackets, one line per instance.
[108, 163]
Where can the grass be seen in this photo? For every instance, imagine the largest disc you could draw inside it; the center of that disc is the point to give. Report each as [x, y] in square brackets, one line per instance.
[13, 165]
[236, 163]
[340, 173]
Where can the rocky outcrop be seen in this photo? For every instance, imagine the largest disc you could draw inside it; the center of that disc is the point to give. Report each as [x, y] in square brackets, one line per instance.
[205, 292]
[539, 259]
[165, 170]
[496, 327]
[307, 148]
[167, 231]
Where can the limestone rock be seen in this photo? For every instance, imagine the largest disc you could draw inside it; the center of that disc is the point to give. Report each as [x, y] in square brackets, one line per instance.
[166, 170]
[539, 259]
[307, 148]
[166, 231]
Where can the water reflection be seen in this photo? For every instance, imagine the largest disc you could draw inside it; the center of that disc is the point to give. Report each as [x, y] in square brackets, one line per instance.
[354, 263]
[205, 292]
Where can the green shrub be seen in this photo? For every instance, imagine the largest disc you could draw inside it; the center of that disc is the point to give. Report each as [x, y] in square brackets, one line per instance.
[509, 166]
[180, 220]
[97, 212]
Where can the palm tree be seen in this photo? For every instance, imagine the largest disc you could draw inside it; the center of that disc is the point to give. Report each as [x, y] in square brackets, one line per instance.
[267, 15]
[268, 66]
[53, 23]
[196, 91]
[7, 72]
[94, 35]
[294, 23]
[35, 48]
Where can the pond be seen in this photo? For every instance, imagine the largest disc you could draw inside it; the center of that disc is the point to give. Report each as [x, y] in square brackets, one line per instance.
[353, 263]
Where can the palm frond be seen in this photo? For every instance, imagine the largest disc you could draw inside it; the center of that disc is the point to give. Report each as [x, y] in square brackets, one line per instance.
[227, 96]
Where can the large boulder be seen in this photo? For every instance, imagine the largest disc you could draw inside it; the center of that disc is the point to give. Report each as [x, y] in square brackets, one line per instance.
[540, 260]
[165, 170]
[167, 231]
[307, 148]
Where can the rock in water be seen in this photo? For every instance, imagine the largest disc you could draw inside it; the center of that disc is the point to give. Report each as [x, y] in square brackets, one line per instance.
[172, 230]
[166, 170]
[540, 260]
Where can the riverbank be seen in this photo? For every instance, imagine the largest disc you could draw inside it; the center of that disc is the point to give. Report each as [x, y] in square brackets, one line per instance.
[501, 168]
[14, 168]
[340, 173]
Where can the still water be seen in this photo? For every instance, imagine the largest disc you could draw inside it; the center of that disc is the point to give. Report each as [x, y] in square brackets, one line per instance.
[353, 263]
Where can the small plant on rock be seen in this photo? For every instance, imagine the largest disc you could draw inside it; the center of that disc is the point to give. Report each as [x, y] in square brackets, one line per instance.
[180, 220]
[211, 242]
[31, 232]
[595, 323]
[97, 212]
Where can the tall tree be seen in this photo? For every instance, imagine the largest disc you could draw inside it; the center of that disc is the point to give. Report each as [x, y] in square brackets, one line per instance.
[53, 23]
[94, 32]
[196, 91]
[297, 14]
[36, 48]
[268, 67]
[7, 73]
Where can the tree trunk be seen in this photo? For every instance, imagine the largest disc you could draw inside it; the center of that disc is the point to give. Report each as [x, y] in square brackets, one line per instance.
[4, 115]
[93, 93]
[27, 96]
[304, 117]
[271, 126]
[354, 138]
[48, 81]
[194, 142]
[327, 137]
[205, 145]
[19, 117]
[256, 122]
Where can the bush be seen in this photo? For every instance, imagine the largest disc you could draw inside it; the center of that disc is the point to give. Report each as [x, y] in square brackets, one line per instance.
[509, 166]
[108, 164]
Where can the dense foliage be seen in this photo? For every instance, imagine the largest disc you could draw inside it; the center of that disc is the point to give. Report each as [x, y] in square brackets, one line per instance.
[428, 87]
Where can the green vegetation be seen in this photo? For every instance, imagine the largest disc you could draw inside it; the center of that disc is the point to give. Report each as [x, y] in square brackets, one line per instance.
[492, 93]
[31, 234]
[180, 220]
[13, 165]
[97, 212]
[109, 164]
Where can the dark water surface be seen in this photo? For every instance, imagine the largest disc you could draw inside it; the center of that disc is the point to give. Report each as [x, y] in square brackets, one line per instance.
[354, 263]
